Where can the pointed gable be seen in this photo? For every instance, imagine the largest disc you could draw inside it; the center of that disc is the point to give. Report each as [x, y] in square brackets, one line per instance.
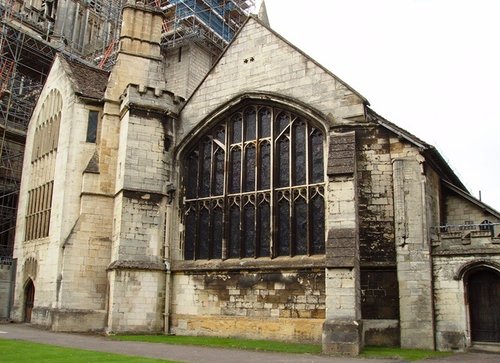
[259, 60]
[88, 81]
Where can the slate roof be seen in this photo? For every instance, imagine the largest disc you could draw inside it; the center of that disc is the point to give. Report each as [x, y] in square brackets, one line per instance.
[88, 81]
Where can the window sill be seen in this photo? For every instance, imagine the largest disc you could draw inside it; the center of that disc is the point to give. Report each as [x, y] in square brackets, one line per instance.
[278, 263]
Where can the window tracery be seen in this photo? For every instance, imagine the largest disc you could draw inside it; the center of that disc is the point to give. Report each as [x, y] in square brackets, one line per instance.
[254, 187]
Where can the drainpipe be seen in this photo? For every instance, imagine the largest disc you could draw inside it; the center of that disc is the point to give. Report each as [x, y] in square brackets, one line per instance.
[166, 260]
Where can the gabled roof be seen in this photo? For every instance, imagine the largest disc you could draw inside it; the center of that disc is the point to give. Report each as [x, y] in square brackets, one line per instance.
[295, 48]
[88, 81]
[431, 154]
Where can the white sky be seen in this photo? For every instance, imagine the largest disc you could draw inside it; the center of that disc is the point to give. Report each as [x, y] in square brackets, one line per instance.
[430, 66]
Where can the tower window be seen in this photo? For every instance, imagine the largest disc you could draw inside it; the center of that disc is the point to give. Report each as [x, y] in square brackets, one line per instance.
[92, 126]
[254, 187]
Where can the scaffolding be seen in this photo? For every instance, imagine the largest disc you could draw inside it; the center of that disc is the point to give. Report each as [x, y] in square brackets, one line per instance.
[213, 22]
[24, 63]
[32, 32]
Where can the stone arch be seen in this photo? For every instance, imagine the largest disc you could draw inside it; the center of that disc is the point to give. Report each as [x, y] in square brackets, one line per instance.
[482, 289]
[313, 115]
[29, 299]
[250, 163]
[468, 267]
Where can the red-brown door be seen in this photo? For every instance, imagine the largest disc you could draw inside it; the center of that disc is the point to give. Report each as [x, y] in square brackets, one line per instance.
[29, 295]
[484, 305]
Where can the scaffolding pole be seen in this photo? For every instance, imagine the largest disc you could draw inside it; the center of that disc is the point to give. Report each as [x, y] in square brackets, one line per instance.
[87, 30]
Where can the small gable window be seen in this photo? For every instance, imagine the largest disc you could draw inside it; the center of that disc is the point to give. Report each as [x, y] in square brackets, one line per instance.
[92, 126]
[254, 187]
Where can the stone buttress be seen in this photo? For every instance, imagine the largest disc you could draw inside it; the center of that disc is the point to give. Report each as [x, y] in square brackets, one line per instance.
[141, 113]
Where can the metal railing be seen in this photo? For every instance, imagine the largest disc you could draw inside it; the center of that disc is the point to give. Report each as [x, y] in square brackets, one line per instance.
[484, 229]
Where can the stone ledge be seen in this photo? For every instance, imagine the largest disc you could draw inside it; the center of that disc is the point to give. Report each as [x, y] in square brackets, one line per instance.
[136, 265]
[266, 263]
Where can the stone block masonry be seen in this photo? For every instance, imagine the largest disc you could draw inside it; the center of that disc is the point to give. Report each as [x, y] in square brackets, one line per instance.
[7, 279]
[413, 256]
[274, 305]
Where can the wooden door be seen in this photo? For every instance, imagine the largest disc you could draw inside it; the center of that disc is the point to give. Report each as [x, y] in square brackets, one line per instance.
[484, 304]
[29, 296]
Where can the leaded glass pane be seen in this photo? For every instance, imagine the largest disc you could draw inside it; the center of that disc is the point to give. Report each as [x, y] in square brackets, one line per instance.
[249, 230]
[299, 160]
[206, 169]
[264, 122]
[235, 167]
[218, 178]
[283, 227]
[218, 232]
[264, 227]
[190, 235]
[317, 168]
[283, 122]
[283, 162]
[220, 134]
[192, 175]
[236, 128]
[249, 168]
[264, 168]
[250, 124]
[203, 235]
[300, 226]
[234, 232]
[317, 218]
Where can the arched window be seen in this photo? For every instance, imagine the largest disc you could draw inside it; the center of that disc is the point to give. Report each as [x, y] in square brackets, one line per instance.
[254, 187]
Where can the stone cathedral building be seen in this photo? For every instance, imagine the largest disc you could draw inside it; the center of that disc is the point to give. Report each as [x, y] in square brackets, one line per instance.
[256, 195]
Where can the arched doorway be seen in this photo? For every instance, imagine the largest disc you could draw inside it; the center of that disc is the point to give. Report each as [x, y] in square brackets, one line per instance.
[483, 290]
[29, 298]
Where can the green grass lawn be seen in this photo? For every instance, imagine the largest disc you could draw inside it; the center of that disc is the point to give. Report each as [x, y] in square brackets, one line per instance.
[264, 345]
[282, 347]
[19, 351]
[22, 351]
[406, 354]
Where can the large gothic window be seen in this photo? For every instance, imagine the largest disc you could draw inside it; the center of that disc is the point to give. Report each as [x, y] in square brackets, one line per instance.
[254, 187]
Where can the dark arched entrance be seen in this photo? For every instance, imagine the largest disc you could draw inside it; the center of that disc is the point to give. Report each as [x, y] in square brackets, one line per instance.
[483, 290]
[29, 298]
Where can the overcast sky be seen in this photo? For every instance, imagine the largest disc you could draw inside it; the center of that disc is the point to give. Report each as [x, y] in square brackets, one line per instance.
[430, 66]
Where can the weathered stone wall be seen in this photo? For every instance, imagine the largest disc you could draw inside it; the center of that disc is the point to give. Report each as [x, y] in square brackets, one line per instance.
[260, 61]
[287, 305]
[86, 255]
[380, 306]
[413, 254]
[67, 166]
[460, 212]
[137, 299]
[260, 64]
[452, 315]
[376, 208]
[185, 67]
[141, 231]
[456, 250]
[380, 298]
[138, 103]
[7, 276]
[144, 170]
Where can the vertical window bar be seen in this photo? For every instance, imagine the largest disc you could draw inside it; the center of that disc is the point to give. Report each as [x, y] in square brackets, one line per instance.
[308, 181]
[196, 249]
[226, 187]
